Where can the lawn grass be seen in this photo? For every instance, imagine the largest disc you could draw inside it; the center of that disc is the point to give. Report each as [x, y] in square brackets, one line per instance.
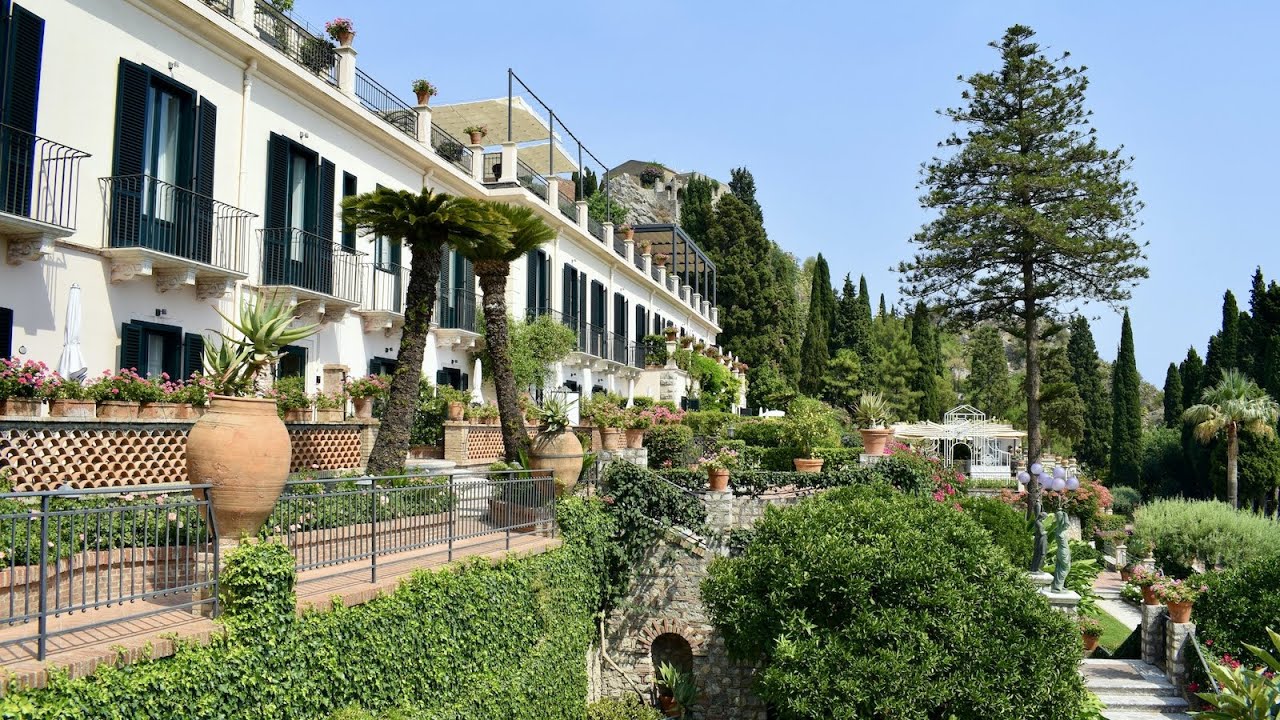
[1114, 632]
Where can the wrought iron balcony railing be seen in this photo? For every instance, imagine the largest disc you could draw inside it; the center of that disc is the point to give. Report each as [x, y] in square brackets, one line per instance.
[380, 101]
[451, 149]
[296, 258]
[305, 46]
[532, 181]
[594, 339]
[385, 286]
[456, 310]
[222, 6]
[38, 178]
[144, 212]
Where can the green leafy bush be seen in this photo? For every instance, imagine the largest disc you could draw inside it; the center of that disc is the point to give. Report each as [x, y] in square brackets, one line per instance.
[779, 459]
[838, 458]
[710, 423]
[627, 707]
[1008, 528]
[1124, 499]
[871, 603]
[670, 446]
[764, 432]
[1180, 531]
[1239, 606]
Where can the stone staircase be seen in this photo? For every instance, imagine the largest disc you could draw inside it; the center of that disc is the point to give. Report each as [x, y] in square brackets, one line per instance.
[1133, 690]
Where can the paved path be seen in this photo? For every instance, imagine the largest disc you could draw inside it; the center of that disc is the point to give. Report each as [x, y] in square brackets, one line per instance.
[1108, 587]
[1133, 690]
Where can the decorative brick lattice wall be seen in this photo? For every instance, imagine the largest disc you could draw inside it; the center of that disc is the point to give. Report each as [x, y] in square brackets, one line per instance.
[484, 442]
[44, 455]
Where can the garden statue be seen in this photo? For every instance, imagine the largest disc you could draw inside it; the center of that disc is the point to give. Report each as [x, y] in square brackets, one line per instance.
[1062, 564]
[1039, 547]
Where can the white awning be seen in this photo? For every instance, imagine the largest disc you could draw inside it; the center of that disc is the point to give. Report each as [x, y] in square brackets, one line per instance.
[538, 158]
[528, 128]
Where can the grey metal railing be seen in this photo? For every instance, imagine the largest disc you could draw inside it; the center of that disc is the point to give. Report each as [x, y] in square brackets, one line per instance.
[305, 46]
[380, 101]
[145, 212]
[532, 181]
[222, 6]
[70, 551]
[1203, 661]
[385, 286]
[568, 207]
[38, 178]
[595, 228]
[492, 167]
[339, 521]
[457, 310]
[305, 260]
[450, 148]
[619, 245]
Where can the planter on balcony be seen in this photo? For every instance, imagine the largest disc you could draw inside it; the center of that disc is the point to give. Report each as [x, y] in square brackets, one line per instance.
[117, 410]
[300, 415]
[364, 408]
[329, 415]
[72, 408]
[158, 411]
[246, 482]
[187, 411]
[20, 407]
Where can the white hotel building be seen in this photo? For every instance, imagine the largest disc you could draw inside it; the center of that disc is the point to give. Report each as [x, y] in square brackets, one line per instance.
[169, 157]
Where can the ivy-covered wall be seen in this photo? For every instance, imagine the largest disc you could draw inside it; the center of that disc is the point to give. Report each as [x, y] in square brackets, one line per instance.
[485, 641]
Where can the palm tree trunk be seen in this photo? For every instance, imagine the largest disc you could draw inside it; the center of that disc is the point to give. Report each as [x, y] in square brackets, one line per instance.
[392, 446]
[493, 281]
[1233, 452]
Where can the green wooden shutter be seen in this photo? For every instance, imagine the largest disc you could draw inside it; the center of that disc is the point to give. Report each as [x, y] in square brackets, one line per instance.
[6, 332]
[172, 361]
[24, 47]
[275, 220]
[125, 201]
[131, 347]
[348, 230]
[330, 271]
[192, 354]
[206, 137]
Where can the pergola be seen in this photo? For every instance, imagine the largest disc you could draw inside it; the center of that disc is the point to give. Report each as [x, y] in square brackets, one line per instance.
[986, 446]
[687, 260]
[540, 149]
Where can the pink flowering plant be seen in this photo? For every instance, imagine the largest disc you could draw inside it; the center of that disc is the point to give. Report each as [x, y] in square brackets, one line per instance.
[370, 386]
[638, 419]
[719, 459]
[338, 27]
[24, 379]
[125, 386]
[195, 391]
[1179, 591]
[1144, 578]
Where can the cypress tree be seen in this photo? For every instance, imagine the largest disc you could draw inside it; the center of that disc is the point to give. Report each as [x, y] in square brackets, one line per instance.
[987, 387]
[816, 350]
[865, 296]
[743, 186]
[894, 366]
[1172, 397]
[846, 318]
[1229, 337]
[925, 342]
[1126, 412]
[1212, 366]
[1094, 448]
[1191, 371]
[882, 310]
[697, 210]
[860, 335]
[1063, 417]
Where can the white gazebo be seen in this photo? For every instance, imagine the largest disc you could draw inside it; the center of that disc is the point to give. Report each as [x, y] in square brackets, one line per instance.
[985, 448]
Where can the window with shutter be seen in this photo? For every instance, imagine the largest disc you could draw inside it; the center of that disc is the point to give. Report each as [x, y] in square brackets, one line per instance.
[131, 347]
[202, 211]
[293, 362]
[348, 230]
[324, 263]
[21, 87]
[192, 355]
[152, 349]
[6, 332]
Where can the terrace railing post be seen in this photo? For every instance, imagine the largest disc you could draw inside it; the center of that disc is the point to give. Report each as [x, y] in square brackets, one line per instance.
[242, 13]
[423, 130]
[373, 530]
[346, 69]
[453, 501]
[510, 157]
[216, 543]
[42, 644]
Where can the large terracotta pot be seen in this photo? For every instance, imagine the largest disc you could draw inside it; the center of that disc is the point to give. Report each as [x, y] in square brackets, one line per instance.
[874, 441]
[635, 439]
[1126, 575]
[364, 407]
[1090, 643]
[20, 407]
[241, 448]
[1149, 596]
[1180, 612]
[423, 98]
[117, 410]
[73, 408]
[477, 138]
[456, 410]
[610, 438]
[561, 453]
[186, 411]
[344, 39]
[718, 479]
[158, 411]
[808, 465]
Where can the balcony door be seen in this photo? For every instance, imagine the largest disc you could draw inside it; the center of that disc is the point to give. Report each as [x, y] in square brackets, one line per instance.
[298, 246]
[21, 49]
[388, 276]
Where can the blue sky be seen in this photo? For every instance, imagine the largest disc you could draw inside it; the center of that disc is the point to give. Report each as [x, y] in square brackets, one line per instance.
[832, 107]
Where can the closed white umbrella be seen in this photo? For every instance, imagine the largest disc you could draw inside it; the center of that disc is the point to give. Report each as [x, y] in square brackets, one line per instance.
[477, 396]
[72, 363]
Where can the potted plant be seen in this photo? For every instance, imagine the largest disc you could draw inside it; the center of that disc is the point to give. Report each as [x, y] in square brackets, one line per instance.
[677, 693]
[194, 396]
[292, 403]
[627, 231]
[342, 30]
[20, 387]
[477, 133]
[1146, 580]
[637, 420]
[718, 463]
[873, 414]
[686, 341]
[424, 90]
[1179, 596]
[363, 391]
[1126, 572]
[556, 447]
[809, 424]
[660, 260]
[154, 397]
[455, 401]
[118, 394]
[1090, 631]
[246, 482]
[330, 407]
[643, 246]
[605, 414]
[669, 332]
[69, 399]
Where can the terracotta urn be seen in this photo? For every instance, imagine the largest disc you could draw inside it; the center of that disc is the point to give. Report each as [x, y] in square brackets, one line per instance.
[808, 465]
[456, 411]
[718, 478]
[20, 407]
[248, 481]
[364, 408]
[476, 138]
[1125, 575]
[158, 411]
[1090, 643]
[1180, 612]
[561, 453]
[117, 410]
[1149, 596]
[874, 440]
[73, 408]
[635, 439]
[610, 438]
[345, 38]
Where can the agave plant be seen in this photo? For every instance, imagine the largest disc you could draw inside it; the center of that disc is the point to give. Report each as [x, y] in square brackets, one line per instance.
[1244, 692]
[873, 411]
[681, 686]
[236, 363]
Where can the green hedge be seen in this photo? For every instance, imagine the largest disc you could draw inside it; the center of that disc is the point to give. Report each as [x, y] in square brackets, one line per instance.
[1239, 606]
[670, 446]
[763, 432]
[1179, 531]
[1008, 527]
[710, 423]
[493, 641]
[627, 707]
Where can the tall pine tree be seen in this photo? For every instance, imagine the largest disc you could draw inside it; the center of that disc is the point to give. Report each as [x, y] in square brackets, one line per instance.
[1172, 397]
[924, 339]
[894, 366]
[816, 350]
[846, 318]
[988, 386]
[1126, 412]
[743, 186]
[1191, 371]
[697, 209]
[1094, 449]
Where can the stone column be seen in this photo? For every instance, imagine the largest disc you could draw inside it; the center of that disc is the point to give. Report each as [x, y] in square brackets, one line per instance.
[242, 12]
[346, 69]
[1153, 634]
[509, 160]
[553, 193]
[455, 440]
[583, 214]
[477, 162]
[368, 436]
[608, 234]
[423, 131]
[1178, 651]
[647, 261]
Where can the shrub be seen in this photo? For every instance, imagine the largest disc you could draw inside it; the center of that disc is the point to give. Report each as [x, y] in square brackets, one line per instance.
[1008, 528]
[670, 446]
[837, 458]
[871, 603]
[627, 707]
[810, 424]
[779, 459]
[1181, 531]
[1239, 605]
[709, 423]
[1124, 499]
[764, 433]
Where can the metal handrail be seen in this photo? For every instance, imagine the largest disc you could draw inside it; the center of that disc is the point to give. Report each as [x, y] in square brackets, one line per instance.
[296, 40]
[450, 148]
[377, 99]
[145, 212]
[457, 310]
[1204, 663]
[387, 285]
[297, 258]
[568, 207]
[222, 6]
[595, 228]
[532, 181]
[38, 177]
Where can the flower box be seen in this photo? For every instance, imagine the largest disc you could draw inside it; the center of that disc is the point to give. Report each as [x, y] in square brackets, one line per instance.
[117, 410]
[65, 408]
[158, 411]
[20, 407]
[329, 415]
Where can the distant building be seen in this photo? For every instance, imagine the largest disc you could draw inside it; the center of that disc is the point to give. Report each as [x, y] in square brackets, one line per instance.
[667, 186]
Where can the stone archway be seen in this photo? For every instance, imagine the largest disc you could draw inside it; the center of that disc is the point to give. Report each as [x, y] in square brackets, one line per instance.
[671, 648]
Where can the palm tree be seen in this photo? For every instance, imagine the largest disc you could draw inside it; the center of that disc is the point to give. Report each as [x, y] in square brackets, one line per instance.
[426, 222]
[1236, 403]
[492, 258]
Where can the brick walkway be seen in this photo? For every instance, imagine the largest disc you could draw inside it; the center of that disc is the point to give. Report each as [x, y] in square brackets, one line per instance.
[80, 652]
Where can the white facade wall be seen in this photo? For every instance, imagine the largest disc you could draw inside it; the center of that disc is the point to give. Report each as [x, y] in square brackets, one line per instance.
[257, 91]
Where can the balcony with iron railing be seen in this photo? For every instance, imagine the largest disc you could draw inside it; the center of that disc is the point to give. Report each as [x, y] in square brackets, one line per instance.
[385, 285]
[222, 6]
[380, 101]
[456, 310]
[568, 207]
[595, 340]
[451, 149]
[310, 265]
[38, 192]
[300, 43]
[173, 234]
[595, 228]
